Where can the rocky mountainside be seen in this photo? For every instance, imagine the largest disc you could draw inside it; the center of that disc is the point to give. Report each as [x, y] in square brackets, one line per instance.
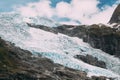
[19, 64]
[116, 16]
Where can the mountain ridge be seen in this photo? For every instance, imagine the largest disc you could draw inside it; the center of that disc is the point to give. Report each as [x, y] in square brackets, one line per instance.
[115, 16]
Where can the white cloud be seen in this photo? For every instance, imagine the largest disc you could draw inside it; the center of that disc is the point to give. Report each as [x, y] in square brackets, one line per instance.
[77, 9]
[85, 11]
[102, 16]
[42, 8]
[63, 9]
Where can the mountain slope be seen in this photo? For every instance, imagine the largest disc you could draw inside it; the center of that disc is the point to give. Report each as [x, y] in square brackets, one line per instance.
[116, 16]
[16, 63]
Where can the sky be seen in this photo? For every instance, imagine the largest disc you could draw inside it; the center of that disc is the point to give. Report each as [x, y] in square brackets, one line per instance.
[64, 11]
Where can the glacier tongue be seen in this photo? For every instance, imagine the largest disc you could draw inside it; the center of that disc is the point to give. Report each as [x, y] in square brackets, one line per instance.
[58, 47]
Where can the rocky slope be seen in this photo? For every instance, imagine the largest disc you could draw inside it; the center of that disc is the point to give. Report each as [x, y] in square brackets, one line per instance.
[19, 64]
[91, 60]
[116, 16]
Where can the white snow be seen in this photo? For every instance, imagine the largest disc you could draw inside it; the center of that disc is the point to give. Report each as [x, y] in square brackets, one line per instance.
[58, 47]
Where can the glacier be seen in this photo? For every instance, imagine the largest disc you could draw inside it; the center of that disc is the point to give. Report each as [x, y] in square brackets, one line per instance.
[58, 47]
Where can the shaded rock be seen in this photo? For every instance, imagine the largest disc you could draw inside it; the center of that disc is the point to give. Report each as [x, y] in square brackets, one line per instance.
[101, 78]
[116, 16]
[91, 60]
[43, 28]
[104, 38]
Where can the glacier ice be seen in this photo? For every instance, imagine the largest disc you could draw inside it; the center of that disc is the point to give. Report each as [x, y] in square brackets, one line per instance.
[40, 21]
[58, 47]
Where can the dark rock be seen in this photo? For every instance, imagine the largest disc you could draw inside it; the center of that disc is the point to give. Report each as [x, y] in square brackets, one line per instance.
[116, 16]
[104, 38]
[91, 60]
[43, 28]
[101, 78]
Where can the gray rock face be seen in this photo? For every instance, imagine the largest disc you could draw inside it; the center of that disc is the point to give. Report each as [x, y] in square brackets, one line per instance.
[46, 28]
[91, 60]
[104, 38]
[116, 16]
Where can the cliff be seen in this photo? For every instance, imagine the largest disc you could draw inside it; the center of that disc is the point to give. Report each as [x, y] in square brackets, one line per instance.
[116, 16]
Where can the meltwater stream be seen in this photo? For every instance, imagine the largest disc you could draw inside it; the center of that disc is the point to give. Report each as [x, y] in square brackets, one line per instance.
[58, 47]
